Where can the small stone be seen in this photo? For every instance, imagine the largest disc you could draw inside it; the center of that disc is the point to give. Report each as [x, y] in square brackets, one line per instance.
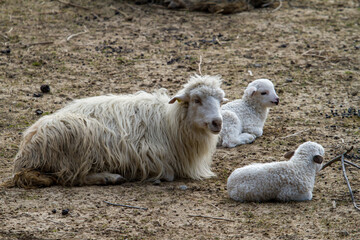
[157, 182]
[65, 211]
[183, 187]
[53, 211]
[283, 45]
[38, 112]
[6, 51]
[45, 88]
[257, 65]
[37, 95]
[289, 80]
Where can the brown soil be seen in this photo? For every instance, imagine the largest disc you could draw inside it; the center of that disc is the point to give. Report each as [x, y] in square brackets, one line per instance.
[311, 51]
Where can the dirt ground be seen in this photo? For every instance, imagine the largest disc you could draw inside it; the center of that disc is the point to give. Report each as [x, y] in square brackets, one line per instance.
[310, 50]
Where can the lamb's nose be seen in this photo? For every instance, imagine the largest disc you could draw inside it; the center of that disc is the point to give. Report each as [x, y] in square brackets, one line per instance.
[277, 101]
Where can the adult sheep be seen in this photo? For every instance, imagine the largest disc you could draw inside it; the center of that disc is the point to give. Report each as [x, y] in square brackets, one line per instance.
[291, 180]
[114, 138]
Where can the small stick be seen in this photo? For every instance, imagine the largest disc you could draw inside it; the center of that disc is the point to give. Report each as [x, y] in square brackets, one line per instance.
[347, 182]
[216, 218]
[128, 206]
[73, 5]
[280, 5]
[76, 34]
[200, 65]
[294, 134]
[338, 158]
[39, 43]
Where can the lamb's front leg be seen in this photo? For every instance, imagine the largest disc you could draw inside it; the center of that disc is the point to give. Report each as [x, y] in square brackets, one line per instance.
[231, 129]
[246, 138]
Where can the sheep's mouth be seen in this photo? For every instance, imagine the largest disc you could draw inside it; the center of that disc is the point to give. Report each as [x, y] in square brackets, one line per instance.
[276, 103]
[215, 131]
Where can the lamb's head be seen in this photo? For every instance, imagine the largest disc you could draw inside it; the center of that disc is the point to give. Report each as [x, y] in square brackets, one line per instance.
[202, 97]
[311, 152]
[262, 91]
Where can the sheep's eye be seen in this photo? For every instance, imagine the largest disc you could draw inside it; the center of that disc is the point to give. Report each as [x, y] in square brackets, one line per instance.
[196, 100]
[263, 93]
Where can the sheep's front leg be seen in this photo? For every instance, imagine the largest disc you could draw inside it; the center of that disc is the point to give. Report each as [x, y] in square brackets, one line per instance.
[104, 178]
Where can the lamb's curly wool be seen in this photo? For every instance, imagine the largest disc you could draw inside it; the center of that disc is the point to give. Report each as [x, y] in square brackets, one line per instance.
[138, 136]
[283, 181]
[243, 119]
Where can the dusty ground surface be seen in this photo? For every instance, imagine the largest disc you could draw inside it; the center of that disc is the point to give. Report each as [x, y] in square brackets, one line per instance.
[311, 51]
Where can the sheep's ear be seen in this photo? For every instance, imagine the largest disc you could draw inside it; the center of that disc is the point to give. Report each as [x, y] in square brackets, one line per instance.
[318, 159]
[179, 98]
[250, 91]
[288, 155]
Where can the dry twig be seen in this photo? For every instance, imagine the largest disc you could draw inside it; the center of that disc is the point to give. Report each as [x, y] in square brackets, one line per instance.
[336, 159]
[294, 134]
[73, 5]
[128, 206]
[343, 161]
[347, 182]
[280, 5]
[216, 218]
[76, 34]
[200, 65]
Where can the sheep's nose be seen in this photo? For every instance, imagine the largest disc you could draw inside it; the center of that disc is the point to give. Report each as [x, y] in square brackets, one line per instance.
[216, 125]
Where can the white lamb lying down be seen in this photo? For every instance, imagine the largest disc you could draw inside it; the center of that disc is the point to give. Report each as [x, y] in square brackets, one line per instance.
[291, 180]
[243, 119]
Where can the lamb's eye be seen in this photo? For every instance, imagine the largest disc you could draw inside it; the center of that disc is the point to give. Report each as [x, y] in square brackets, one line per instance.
[263, 93]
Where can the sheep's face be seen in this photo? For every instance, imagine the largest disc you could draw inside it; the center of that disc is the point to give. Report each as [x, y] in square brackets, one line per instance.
[263, 92]
[203, 108]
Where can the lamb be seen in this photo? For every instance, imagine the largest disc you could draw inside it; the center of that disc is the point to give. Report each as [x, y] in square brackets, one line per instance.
[115, 138]
[243, 119]
[291, 180]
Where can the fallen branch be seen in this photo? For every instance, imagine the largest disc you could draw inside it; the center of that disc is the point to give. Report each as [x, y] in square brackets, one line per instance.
[343, 161]
[347, 182]
[73, 5]
[128, 206]
[216, 218]
[336, 159]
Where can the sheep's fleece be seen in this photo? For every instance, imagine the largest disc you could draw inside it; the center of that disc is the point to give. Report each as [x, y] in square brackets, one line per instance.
[138, 136]
[291, 180]
[243, 119]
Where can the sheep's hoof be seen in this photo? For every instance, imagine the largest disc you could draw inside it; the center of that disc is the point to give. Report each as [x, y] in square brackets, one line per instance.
[114, 180]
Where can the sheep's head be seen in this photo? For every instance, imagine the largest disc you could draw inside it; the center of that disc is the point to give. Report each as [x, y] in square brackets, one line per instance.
[263, 92]
[311, 151]
[202, 97]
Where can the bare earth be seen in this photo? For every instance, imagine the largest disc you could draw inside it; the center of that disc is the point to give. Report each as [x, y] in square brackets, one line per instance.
[311, 51]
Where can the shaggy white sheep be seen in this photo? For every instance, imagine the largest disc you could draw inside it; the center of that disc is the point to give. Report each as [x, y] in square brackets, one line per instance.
[284, 181]
[110, 139]
[243, 119]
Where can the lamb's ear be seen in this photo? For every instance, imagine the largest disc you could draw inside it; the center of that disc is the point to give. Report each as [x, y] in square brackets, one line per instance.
[318, 159]
[180, 98]
[250, 91]
[224, 100]
[288, 155]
